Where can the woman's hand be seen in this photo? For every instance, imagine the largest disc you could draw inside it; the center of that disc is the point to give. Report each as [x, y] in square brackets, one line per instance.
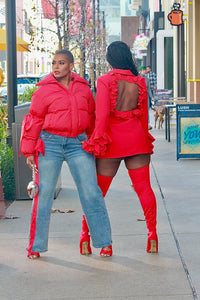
[30, 160]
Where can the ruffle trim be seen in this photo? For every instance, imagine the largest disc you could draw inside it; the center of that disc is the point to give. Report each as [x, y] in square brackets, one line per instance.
[140, 81]
[127, 115]
[40, 147]
[151, 138]
[97, 145]
[25, 136]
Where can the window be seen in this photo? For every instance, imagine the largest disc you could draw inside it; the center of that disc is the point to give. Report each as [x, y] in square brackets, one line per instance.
[160, 23]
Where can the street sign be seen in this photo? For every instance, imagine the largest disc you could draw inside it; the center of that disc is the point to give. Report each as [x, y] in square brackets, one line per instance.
[176, 15]
[188, 130]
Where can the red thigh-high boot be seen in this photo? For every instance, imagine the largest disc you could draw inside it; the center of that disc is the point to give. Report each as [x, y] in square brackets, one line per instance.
[85, 249]
[141, 183]
[104, 183]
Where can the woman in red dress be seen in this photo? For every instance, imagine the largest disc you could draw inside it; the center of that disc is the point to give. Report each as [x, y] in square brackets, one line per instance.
[121, 133]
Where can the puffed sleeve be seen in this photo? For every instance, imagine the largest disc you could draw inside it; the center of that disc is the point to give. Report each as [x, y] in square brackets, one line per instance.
[91, 112]
[143, 105]
[32, 125]
[99, 140]
[144, 116]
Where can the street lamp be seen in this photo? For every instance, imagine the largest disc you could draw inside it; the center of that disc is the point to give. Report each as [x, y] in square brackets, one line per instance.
[82, 53]
[66, 24]
[93, 63]
[104, 37]
[98, 39]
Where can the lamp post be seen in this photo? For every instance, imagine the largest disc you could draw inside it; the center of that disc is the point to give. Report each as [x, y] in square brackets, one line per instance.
[104, 37]
[11, 64]
[160, 5]
[66, 24]
[82, 53]
[93, 63]
[98, 39]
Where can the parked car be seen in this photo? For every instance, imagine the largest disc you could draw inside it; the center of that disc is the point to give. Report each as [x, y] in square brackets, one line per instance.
[3, 95]
[29, 79]
[21, 88]
[23, 83]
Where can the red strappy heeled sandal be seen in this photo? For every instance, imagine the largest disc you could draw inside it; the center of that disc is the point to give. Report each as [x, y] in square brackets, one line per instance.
[33, 255]
[106, 252]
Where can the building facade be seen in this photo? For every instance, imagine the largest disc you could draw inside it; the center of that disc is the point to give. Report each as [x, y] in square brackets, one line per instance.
[172, 51]
[19, 33]
[193, 53]
[112, 12]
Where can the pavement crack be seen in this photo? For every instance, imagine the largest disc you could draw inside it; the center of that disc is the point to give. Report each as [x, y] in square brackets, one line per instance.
[194, 293]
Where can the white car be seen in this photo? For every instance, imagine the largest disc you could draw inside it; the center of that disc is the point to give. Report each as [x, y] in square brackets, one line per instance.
[23, 83]
[21, 88]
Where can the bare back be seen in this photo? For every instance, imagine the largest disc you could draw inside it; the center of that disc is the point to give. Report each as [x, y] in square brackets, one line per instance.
[127, 96]
[127, 100]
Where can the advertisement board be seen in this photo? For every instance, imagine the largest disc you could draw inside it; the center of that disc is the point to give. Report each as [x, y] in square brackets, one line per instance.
[161, 97]
[188, 130]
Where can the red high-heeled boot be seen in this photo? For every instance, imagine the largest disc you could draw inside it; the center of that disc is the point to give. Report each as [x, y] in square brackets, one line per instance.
[141, 184]
[85, 248]
[104, 183]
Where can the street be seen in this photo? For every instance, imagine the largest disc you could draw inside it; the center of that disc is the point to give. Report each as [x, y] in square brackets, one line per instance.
[131, 273]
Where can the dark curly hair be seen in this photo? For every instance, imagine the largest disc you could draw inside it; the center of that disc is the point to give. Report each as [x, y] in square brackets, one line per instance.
[67, 53]
[119, 56]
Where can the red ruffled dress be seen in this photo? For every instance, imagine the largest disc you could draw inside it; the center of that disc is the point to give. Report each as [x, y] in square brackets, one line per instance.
[119, 133]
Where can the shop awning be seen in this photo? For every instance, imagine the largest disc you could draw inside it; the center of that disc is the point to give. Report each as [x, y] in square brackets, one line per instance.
[21, 44]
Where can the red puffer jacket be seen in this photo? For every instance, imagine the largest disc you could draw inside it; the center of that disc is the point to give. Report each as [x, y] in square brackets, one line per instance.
[58, 110]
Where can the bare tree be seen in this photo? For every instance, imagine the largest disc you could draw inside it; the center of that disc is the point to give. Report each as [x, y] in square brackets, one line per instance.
[74, 29]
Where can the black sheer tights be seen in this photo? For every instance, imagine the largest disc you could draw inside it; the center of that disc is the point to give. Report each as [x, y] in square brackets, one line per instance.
[109, 166]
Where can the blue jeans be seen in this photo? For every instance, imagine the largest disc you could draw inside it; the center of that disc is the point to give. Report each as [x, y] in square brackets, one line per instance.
[83, 169]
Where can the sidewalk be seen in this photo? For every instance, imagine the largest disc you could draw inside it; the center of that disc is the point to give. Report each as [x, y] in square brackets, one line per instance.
[131, 273]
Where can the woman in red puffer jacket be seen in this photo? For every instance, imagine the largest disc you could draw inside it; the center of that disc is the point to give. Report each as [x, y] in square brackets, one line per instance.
[61, 117]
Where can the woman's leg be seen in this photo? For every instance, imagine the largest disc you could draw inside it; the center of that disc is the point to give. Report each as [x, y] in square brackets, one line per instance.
[106, 170]
[104, 166]
[139, 174]
[49, 168]
[83, 170]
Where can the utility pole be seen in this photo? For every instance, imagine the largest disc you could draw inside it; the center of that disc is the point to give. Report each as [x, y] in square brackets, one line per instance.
[11, 57]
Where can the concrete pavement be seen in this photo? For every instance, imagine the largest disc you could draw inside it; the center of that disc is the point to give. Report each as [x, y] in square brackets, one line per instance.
[131, 273]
